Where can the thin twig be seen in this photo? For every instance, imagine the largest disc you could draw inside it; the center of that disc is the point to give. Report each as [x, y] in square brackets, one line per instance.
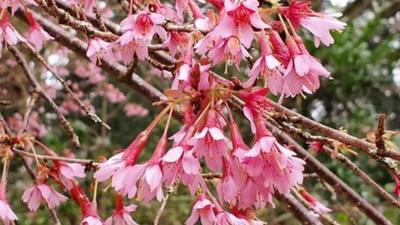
[84, 107]
[58, 158]
[379, 136]
[65, 123]
[325, 217]
[299, 211]
[160, 211]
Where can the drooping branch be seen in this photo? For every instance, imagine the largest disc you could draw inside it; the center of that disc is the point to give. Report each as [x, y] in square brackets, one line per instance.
[366, 147]
[38, 88]
[305, 216]
[331, 178]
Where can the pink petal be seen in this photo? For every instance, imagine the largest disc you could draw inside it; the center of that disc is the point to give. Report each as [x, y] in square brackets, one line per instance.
[173, 154]
[153, 177]
[302, 64]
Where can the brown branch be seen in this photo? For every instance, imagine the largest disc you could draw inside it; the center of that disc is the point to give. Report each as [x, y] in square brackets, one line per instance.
[63, 82]
[116, 70]
[298, 210]
[59, 158]
[353, 167]
[325, 218]
[38, 87]
[347, 139]
[347, 162]
[53, 213]
[327, 175]
[65, 18]
[28, 112]
[379, 136]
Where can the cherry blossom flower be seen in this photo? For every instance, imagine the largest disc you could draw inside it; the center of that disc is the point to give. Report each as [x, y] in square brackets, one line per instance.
[7, 216]
[68, 171]
[322, 32]
[121, 215]
[15, 4]
[89, 209]
[97, 48]
[91, 220]
[34, 195]
[210, 142]
[300, 71]
[225, 218]
[8, 34]
[316, 146]
[284, 169]
[176, 41]
[35, 126]
[123, 165]
[317, 206]
[132, 109]
[229, 49]
[320, 25]
[143, 25]
[138, 30]
[112, 94]
[150, 180]
[203, 209]
[36, 35]
[180, 162]
[238, 20]
[266, 64]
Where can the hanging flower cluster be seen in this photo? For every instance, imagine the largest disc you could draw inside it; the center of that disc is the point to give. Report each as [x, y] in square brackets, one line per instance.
[261, 40]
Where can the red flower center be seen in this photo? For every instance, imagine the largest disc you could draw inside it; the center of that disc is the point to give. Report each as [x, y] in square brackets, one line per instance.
[241, 14]
[144, 23]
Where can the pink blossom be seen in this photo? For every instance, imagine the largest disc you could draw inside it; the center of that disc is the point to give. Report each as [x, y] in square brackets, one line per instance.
[35, 126]
[34, 195]
[112, 94]
[316, 146]
[225, 218]
[128, 48]
[89, 71]
[91, 220]
[68, 171]
[97, 48]
[180, 162]
[317, 206]
[7, 216]
[8, 34]
[320, 25]
[300, 72]
[15, 4]
[143, 25]
[132, 109]
[210, 142]
[176, 41]
[121, 215]
[266, 65]
[125, 173]
[138, 30]
[36, 35]
[228, 49]
[203, 209]
[238, 20]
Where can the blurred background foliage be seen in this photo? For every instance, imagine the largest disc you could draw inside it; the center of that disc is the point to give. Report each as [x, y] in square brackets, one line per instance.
[365, 67]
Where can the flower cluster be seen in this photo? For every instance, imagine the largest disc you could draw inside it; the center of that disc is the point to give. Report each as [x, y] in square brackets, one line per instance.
[252, 168]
